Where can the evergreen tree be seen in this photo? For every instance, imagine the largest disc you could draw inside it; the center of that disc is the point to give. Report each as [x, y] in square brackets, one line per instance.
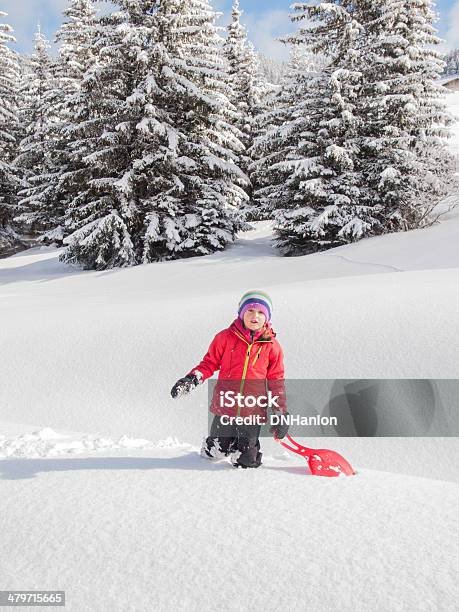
[451, 60]
[24, 96]
[324, 201]
[271, 70]
[196, 185]
[78, 37]
[245, 82]
[104, 211]
[269, 114]
[38, 153]
[25, 106]
[374, 158]
[76, 53]
[405, 161]
[281, 128]
[158, 150]
[9, 175]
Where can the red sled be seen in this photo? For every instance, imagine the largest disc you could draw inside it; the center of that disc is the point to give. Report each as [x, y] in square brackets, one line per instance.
[321, 461]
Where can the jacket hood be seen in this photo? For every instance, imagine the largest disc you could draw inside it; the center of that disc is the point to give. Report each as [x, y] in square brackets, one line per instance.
[265, 333]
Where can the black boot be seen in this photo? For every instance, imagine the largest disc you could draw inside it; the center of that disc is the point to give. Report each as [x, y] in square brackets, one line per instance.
[247, 454]
[245, 465]
[217, 448]
[221, 440]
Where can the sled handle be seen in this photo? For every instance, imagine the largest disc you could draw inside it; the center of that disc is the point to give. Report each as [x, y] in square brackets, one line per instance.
[298, 449]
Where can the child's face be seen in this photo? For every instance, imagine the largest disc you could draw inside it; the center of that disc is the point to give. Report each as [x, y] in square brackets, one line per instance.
[254, 319]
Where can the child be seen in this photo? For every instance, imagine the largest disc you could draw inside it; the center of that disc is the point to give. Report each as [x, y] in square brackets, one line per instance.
[246, 353]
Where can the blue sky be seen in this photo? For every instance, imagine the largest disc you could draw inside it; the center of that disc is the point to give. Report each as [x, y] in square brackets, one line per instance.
[265, 19]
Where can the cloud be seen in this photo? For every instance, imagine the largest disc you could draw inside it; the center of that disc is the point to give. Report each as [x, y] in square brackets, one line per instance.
[47, 13]
[451, 35]
[266, 28]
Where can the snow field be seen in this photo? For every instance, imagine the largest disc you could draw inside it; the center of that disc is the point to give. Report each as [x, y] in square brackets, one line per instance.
[164, 529]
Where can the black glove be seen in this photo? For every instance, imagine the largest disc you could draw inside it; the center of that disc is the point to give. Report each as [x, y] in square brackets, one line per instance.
[184, 385]
[281, 429]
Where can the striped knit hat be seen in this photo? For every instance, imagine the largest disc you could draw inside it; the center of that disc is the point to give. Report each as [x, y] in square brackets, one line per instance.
[255, 299]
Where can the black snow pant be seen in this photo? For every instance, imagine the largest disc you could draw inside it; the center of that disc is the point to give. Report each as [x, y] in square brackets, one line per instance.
[241, 441]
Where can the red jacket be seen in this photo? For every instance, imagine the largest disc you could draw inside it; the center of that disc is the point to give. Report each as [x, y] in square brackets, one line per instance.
[242, 359]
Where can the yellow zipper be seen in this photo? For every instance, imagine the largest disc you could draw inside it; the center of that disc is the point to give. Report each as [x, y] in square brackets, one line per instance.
[244, 372]
[241, 337]
[256, 357]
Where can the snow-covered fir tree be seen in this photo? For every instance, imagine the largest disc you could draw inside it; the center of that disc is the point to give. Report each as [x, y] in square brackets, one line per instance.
[159, 151]
[271, 69]
[451, 60]
[76, 35]
[39, 157]
[406, 164]
[196, 186]
[24, 95]
[245, 82]
[77, 38]
[268, 115]
[25, 105]
[103, 212]
[9, 174]
[281, 129]
[374, 159]
[322, 203]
